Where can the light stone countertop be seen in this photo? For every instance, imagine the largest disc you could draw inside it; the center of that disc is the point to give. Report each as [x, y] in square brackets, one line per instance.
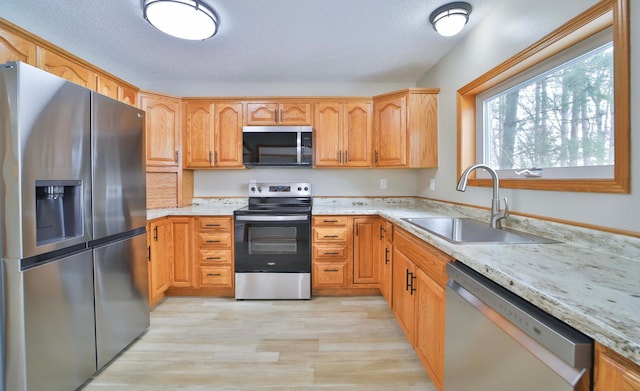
[591, 281]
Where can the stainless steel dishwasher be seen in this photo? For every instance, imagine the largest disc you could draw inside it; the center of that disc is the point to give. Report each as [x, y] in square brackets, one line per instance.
[497, 341]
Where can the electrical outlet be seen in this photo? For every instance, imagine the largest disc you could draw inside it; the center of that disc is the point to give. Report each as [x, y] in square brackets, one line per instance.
[432, 184]
[383, 183]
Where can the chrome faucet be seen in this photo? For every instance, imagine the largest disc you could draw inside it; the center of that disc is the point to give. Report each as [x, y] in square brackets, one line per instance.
[496, 214]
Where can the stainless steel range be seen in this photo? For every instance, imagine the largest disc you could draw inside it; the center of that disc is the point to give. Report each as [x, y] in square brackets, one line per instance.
[273, 242]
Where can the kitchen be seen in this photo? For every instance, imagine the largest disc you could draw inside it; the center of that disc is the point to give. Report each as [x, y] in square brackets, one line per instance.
[487, 44]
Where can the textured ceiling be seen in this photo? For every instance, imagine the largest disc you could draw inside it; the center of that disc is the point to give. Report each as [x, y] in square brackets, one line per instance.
[258, 40]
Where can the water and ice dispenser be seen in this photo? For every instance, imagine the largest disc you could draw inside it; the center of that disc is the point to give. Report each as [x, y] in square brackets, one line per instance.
[58, 210]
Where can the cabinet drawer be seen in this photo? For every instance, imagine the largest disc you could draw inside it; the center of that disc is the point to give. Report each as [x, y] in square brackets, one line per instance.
[329, 234]
[330, 252]
[215, 256]
[214, 239]
[216, 276]
[331, 220]
[330, 274]
[214, 223]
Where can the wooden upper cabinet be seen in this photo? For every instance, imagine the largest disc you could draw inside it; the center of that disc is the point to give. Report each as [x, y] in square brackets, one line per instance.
[327, 144]
[357, 138]
[406, 129]
[277, 113]
[162, 130]
[198, 141]
[107, 86]
[213, 134]
[15, 48]
[128, 95]
[67, 69]
[391, 137]
[342, 134]
[228, 135]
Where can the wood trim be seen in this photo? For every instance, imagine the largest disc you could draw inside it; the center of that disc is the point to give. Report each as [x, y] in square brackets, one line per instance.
[597, 18]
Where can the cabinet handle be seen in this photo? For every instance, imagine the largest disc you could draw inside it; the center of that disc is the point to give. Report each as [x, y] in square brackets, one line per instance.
[212, 225]
[213, 274]
[209, 157]
[330, 236]
[339, 157]
[375, 159]
[149, 253]
[413, 278]
[331, 253]
[329, 221]
[331, 270]
[406, 284]
[213, 241]
[386, 256]
[177, 157]
[357, 229]
[382, 232]
[155, 233]
[346, 156]
[280, 116]
[215, 157]
[213, 258]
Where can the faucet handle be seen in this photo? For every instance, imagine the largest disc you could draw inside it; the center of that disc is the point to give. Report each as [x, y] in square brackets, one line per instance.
[506, 208]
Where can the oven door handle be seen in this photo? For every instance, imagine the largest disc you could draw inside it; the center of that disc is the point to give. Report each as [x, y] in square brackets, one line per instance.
[273, 218]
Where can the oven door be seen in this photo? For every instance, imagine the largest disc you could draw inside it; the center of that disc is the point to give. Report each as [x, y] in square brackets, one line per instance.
[273, 243]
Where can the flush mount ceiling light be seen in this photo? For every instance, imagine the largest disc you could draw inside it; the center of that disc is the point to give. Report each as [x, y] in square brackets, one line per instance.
[186, 19]
[449, 19]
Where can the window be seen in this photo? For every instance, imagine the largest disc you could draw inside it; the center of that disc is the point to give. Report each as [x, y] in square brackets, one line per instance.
[545, 119]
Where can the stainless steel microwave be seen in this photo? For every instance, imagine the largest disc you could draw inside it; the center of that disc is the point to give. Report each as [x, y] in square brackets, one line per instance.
[277, 146]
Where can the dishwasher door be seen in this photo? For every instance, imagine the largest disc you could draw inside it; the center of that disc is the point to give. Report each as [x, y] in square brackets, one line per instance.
[488, 346]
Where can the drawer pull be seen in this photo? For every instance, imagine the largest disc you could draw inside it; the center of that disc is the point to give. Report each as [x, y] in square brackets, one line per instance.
[214, 274]
[212, 225]
[213, 258]
[330, 236]
[332, 253]
[329, 221]
[213, 241]
[331, 270]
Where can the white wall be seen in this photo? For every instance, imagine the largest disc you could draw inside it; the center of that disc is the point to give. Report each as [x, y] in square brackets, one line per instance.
[325, 182]
[511, 27]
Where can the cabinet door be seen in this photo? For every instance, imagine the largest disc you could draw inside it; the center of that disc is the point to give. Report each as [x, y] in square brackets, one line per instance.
[16, 48]
[328, 134]
[430, 320]
[390, 123]
[386, 261]
[106, 86]
[199, 134]
[160, 259]
[404, 294]
[182, 266]
[162, 130]
[295, 114]
[357, 135]
[365, 250]
[261, 113]
[128, 95]
[228, 135]
[65, 68]
[613, 372]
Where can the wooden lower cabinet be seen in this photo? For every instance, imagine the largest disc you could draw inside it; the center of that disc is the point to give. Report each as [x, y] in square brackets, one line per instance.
[385, 257]
[614, 372]
[366, 243]
[331, 251]
[214, 252]
[181, 266]
[160, 247]
[419, 280]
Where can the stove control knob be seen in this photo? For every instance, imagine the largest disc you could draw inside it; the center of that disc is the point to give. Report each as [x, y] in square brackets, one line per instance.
[260, 189]
[299, 188]
[253, 189]
[306, 189]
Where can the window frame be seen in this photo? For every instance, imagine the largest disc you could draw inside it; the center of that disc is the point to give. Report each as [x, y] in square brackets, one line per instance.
[605, 14]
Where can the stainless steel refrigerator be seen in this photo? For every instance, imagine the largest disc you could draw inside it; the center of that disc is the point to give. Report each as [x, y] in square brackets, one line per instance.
[60, 265]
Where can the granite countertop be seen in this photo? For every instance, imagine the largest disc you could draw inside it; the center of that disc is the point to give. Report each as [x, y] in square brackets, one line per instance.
[589, 281]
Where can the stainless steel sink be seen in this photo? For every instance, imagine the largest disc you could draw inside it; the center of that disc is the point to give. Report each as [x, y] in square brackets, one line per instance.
[468, 231]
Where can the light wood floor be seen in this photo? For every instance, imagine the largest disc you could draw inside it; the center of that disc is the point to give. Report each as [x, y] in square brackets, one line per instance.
[344, 344]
